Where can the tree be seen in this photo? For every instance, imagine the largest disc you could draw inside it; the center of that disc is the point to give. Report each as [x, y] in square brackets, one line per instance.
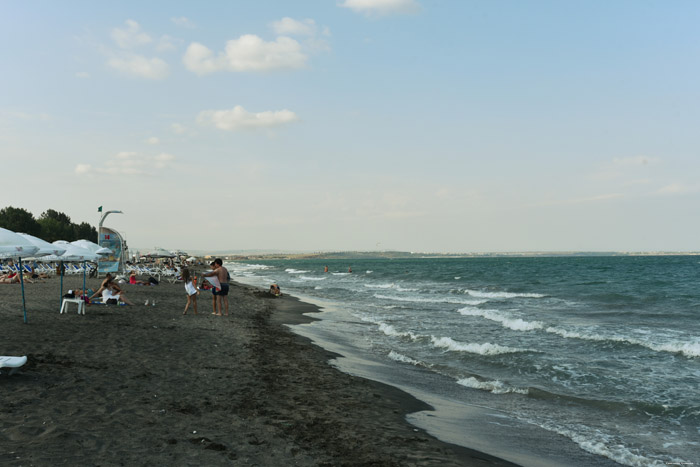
[84, 231]
[56, 226]
[59, 216]
[19, 220]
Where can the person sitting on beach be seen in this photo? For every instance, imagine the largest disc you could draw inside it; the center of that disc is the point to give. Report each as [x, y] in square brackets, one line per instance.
[113, 292]
[133, 280]
[275, 290]
[105, 283]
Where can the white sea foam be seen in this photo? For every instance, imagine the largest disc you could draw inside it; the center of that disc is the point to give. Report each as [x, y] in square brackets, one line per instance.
[296, 271]
[481, 349]
[495, 387]
[516, 324]
[391, 331]
[390, 286]
[457, 301]
[245, 266]
[308, 278]
[404, 359]
[496, 295]
[689, 349]
[340, 273]
[607, 446]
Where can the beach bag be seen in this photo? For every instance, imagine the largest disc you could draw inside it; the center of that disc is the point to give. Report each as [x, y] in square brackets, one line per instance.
[153, 280]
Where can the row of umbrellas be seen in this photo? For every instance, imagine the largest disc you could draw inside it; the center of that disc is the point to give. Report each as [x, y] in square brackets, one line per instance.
[18, 246]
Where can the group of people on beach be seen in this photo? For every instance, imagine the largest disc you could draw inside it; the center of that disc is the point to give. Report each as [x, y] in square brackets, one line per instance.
[219, 294]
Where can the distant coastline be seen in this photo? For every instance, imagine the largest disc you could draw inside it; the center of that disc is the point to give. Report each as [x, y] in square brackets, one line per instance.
[351, 255]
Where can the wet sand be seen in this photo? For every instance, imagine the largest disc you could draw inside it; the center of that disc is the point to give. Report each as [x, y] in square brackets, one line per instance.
[146, 385]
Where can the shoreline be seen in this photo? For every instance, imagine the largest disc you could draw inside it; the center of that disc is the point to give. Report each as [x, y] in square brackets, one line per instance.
[145, 385]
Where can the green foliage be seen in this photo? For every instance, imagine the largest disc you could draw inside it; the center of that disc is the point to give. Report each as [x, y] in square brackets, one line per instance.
[19, 220]
[85, 231]
[51, 225]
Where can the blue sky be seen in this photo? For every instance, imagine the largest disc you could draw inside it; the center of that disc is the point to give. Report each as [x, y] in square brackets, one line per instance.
[358, 124]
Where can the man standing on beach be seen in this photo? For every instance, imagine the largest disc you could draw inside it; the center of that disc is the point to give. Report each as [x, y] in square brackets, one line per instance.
[222, 274]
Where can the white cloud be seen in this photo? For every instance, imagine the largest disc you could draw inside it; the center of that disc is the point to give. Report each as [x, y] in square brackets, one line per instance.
[247, 53]
[178, 129]
[153, 140]
[138, 65]
[82, 75]
[381, 7]
[82, 169]
[162, 160]
[130, 37]
[239, 118]
[128, 163]
[167, 43]
[677, 189]
[183, 22]
[290, 26]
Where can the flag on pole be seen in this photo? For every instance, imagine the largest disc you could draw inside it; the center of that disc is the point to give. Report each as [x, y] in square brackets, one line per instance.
[99, 209]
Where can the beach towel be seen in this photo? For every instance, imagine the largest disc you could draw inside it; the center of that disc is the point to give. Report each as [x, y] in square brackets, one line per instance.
[214, 281]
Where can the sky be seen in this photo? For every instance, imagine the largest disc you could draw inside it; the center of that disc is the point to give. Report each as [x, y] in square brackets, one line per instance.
[335, 125]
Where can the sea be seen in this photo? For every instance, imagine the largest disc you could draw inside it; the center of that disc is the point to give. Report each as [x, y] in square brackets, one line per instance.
[543, 361]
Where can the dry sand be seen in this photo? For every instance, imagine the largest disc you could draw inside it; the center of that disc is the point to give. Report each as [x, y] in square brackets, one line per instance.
[148, 386]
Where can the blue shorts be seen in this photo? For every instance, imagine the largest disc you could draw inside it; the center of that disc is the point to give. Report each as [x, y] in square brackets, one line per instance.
[222, 292]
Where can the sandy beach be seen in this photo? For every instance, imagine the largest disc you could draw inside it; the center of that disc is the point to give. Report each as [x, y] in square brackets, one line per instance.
[146, 385]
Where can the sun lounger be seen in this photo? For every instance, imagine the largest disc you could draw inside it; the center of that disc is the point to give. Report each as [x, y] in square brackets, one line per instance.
[12, 364]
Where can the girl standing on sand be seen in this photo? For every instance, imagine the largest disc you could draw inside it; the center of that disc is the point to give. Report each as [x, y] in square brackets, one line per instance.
[191, 290]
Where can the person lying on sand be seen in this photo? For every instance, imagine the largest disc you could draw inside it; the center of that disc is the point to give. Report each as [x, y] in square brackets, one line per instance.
[12, 278]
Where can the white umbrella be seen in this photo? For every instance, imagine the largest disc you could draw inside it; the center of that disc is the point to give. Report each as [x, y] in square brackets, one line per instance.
[92, 246]
[191, 259]
[14, 246]
[45, 248]
[74, 253]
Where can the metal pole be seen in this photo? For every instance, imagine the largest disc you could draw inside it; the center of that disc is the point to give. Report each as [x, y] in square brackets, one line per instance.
[21, 280]
[60, 299]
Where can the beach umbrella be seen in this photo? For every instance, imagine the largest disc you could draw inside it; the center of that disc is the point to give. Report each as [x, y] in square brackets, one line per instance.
[15, 246]
[74, 253]
[45, 248]
[159, 253]
[92, 246]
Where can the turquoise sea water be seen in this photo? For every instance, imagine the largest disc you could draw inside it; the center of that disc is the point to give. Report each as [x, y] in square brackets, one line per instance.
[598, 353]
